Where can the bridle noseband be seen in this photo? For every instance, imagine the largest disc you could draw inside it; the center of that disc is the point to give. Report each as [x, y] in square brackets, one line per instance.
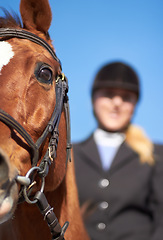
[61, 90]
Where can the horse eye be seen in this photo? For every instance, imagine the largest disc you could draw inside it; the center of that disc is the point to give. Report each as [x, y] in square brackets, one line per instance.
[45, 75]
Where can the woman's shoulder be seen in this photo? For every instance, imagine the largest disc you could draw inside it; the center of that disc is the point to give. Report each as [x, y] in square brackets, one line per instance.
[158, 152]
[158, 147]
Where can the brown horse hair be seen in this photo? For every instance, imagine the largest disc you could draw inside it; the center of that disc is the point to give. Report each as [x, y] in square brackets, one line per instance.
[10, 20]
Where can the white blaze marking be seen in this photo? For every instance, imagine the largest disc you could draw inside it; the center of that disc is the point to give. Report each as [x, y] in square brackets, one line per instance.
[6, 53]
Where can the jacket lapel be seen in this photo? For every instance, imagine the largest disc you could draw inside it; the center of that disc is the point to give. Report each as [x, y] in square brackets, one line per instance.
[91, 152]
[123, 156]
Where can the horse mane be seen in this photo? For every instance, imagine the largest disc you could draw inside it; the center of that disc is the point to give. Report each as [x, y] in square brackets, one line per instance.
[10, 20]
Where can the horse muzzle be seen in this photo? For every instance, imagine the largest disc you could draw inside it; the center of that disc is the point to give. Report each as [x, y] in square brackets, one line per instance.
[8, 188]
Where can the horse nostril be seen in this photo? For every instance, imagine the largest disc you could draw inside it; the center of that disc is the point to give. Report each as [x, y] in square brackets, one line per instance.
[4, 168]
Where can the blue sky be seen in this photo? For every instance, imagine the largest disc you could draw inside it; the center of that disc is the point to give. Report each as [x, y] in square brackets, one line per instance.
[89, 33]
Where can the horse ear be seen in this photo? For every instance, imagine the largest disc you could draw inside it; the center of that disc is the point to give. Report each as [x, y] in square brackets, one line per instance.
[36, 14]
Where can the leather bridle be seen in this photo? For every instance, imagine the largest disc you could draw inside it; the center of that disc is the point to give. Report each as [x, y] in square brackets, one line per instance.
[61, 90]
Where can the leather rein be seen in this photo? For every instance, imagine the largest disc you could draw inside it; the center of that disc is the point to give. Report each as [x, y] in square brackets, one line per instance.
[27, 181]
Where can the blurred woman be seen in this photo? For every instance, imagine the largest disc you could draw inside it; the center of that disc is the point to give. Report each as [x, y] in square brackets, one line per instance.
[119, 170]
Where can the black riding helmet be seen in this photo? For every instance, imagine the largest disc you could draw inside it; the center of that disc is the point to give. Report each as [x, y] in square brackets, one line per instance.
[117, 75]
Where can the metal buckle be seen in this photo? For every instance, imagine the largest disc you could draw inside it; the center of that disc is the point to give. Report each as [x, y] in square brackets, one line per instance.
[61, 76]
[51, 152]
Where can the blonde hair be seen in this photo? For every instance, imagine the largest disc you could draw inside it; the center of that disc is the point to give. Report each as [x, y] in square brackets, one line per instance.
[140, 143]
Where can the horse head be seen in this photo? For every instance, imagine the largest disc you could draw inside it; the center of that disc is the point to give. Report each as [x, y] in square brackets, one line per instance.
[31, 86]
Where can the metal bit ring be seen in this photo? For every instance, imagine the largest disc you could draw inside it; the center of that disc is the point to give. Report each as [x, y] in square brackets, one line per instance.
[25, 188]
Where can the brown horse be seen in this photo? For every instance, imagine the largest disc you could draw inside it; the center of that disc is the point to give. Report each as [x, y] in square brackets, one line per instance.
[32, 114]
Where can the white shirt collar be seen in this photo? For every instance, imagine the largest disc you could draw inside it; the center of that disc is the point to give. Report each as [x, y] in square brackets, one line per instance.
[105, 138]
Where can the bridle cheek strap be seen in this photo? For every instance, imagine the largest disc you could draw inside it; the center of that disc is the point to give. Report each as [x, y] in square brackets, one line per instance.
[61, 101]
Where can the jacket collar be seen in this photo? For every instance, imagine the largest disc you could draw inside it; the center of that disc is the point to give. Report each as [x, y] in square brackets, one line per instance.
[123, 156]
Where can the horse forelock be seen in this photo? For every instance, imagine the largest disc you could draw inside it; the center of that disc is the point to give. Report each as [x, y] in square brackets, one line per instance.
[10, 20]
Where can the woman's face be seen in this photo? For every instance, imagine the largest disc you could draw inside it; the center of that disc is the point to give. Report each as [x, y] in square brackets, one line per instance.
[114, 108]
